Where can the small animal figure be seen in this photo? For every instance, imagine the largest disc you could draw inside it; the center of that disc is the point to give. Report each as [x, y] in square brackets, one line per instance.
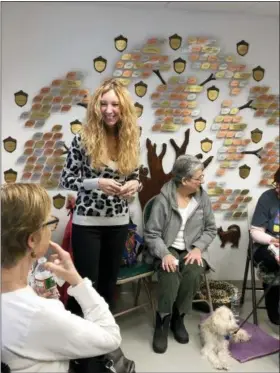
[232, 235]
[217, 332]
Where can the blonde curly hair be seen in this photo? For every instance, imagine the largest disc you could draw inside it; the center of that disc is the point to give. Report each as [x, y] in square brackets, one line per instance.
[93, 133]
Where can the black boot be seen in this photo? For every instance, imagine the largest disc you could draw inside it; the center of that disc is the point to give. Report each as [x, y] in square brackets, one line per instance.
[161, 333]
[177, 326]
[272, 303]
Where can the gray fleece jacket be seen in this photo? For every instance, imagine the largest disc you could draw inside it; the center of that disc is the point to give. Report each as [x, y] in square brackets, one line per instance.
[165, 221]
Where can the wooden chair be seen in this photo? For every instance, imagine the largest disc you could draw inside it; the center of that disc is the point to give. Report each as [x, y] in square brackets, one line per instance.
[146, 215]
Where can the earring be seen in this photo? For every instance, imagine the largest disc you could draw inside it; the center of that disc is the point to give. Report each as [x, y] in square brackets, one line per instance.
[33, 255]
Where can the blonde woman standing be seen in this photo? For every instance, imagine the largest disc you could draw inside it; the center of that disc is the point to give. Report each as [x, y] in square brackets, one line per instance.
[102, 166]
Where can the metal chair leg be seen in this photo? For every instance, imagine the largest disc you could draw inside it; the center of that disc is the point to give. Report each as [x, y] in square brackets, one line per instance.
[208, 293]
[138, 289]
[244, 285]
[148, 288]
[153, 303]
[254, 299]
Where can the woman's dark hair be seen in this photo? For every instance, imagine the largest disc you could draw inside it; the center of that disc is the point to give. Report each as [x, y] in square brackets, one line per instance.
[277, 176]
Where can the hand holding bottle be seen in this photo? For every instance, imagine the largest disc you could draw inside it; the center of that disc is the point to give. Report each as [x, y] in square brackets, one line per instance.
[62, 265]
[42, 281]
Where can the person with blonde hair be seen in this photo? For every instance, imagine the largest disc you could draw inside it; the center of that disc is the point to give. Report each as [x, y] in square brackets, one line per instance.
[103, 167]
[38, 334]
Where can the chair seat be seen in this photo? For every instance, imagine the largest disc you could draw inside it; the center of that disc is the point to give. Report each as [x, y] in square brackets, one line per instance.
[138, 270]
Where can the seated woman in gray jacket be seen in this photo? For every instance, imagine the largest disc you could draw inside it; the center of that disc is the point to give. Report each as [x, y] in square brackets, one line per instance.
[180, 228]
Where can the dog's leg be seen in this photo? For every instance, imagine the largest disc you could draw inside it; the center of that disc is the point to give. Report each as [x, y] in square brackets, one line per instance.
[241, 336]
[212, 357]
[224, 355]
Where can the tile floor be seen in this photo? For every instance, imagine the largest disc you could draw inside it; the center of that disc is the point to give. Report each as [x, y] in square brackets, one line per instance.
[137, 332]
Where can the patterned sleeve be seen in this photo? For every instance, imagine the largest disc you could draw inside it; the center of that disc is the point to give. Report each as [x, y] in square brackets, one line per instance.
[134, 175]
[71, 174]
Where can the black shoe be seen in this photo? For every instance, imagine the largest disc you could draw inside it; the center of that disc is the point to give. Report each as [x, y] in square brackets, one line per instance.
[177, 326]
[275, 321]
[161, 333]
[272, 303]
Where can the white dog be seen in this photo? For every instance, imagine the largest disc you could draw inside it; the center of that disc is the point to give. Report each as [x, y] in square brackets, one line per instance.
[216, 331]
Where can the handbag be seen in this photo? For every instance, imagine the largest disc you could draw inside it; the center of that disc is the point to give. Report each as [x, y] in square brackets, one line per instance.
[113, 362]
[221, 293]
[132, 246]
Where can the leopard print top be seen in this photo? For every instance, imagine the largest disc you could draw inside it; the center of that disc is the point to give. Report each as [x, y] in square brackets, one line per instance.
[93, 207]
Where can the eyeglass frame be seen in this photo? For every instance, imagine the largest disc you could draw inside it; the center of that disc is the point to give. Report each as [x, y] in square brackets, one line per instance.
[54, 221]
[199, 178]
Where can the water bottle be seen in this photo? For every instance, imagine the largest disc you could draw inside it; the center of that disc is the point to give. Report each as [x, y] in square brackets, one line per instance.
[44, 280]
[30, 277]
[235, 305]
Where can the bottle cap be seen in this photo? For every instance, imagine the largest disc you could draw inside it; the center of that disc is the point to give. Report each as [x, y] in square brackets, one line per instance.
[42, 260]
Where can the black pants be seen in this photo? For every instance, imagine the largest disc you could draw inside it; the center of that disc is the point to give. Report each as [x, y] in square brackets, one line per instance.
[264, 256]
[97, 253]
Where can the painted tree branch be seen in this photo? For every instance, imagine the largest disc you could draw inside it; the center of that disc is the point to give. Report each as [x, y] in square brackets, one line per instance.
[158, 74]
[211, 77]
[182, 149]
[247, 106]
[207, 161]
[83, 105]
[154, 160]
[253, 152]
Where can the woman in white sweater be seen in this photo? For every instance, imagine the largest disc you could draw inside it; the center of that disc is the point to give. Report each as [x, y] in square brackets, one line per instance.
[38, 334]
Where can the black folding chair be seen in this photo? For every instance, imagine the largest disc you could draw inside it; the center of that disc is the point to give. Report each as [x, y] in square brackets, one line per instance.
[250, 263]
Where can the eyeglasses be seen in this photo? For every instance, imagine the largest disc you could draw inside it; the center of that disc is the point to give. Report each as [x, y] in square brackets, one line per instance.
[198, 179]
[52, 223]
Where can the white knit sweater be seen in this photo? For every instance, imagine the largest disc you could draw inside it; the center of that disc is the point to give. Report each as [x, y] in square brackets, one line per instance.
[39, 335]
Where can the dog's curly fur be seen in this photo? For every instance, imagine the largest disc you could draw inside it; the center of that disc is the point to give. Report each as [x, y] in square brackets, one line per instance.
[214, 330]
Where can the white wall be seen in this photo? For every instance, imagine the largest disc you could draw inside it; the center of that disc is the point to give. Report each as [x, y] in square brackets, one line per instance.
[43, 41]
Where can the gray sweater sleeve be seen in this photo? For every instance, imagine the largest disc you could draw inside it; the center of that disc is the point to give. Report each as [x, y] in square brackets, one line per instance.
[154, 230]
[210, 229]
[90, 184]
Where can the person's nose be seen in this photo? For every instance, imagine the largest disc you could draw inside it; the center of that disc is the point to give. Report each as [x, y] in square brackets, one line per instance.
[109, 109]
